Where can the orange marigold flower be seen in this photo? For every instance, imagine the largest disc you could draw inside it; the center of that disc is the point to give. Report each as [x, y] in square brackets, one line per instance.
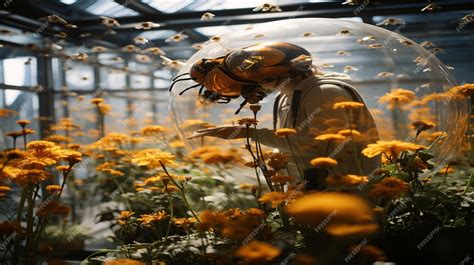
[176, 144]
[342, 214]
[63, 169]
[391, 148]
[23, 123]
[275, 197]
[152, 158]
[284, 132]
[282, 179]
[40, 144]
[210, 219]
[257, 251]
[397, 96]
[330, 137]
[184, 222]
[123, 262]
[247, 121]
[5, 189]
[349, 132]
[389, 188]
[347, 105]
[97, 101]
[277, 160]
[153, 130]
[423, 125]
[323, 161]
[147, 219]
[53, 188]
[53, 207]
[126, 214]
[347, 180]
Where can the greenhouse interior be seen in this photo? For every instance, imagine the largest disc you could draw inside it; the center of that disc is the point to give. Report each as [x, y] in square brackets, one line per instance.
[185, 132]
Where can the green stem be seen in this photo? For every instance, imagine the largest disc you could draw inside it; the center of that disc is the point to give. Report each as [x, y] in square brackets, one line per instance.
[468, 184]
[171, 214]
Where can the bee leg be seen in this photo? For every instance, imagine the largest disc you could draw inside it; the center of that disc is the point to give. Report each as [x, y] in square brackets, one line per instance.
[179, 76]
[186, 89]
[176, 81]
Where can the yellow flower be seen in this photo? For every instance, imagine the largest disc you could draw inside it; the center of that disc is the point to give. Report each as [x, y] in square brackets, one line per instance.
[97, 101]
[396, 97]
[277, 160]
[323, 161]
[347, 105]
[71, 156]
[123, 262]
[30, 176]
[247, 121]
[257, 251]
[53, 207]
[423, 125]
[152, 158]
[126, 214]
[389, 188]
[7, 112]
[339, 214]
[330, 137]
[146, 219]
[176, 144]
[210, 220]
[40, 145]
[284, 132]
[347, 180]
[275, 197]
[348, 132]
[184, 222]
[466, 89]
[281, 179]
[391, 148]
[153, 130]
[23, 123]
[63, 169]
[5, 189]
[53, 188]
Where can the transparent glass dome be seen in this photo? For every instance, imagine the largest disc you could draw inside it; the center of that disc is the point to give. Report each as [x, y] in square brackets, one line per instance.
[377, 61]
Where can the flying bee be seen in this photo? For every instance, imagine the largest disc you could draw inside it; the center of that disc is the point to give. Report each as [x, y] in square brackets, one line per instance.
[143, 58]
[384, 75]
[6, 32]
[28, 62]
[267, 7]
[140, 40]
[53, 19]
[146, 25]
[110, 32]
[366, 39]
[375, 46]
[344, 32]
[342, 53]
[207, 16]
[177, 37]
[174, 64]
[427, 44]
[391, 22]
[351, 2]
[109, 22]
[197, 46]
[61, 35]
[349, 68]
[436, 50]
[154, 51]
[258, 36]
[430, 7]
[130, 48]
[80, 57]
[215, 38]
[71, 26]
[406, 42]
[98, 49]
[308, 34]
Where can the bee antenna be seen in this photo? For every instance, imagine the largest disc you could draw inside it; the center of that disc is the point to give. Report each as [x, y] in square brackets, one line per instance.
[176, 81]
[182, 92]
[179, 76]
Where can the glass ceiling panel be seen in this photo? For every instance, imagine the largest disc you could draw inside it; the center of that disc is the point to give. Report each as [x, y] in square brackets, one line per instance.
[110, 8]
[168, 6]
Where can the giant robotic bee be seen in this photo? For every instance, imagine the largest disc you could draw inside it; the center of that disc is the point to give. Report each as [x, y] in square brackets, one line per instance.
[242, 72]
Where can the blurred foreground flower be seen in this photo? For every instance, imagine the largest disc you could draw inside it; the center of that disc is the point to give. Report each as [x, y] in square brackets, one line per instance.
[348, 215]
